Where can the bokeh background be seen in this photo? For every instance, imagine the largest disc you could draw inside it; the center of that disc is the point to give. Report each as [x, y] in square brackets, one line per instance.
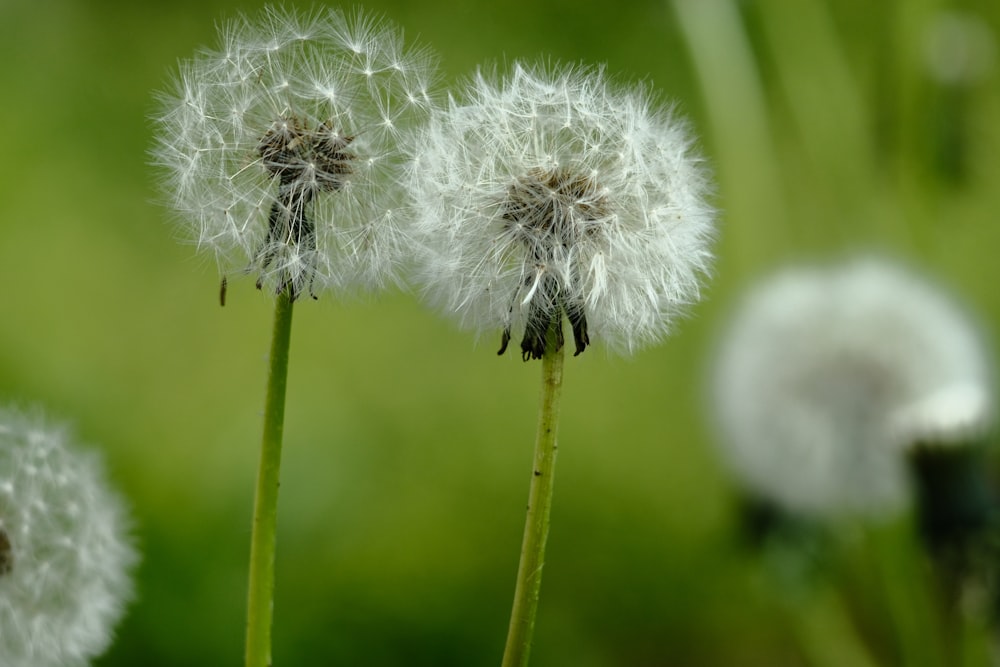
[832, 127]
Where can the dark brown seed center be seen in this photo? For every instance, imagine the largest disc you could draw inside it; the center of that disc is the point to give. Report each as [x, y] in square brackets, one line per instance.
[550, 210]
[556, 206]
[306, 161]
[312, 158]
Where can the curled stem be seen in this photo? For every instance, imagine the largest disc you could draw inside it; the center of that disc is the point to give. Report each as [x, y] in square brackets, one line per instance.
[260, 596]
[536, 527]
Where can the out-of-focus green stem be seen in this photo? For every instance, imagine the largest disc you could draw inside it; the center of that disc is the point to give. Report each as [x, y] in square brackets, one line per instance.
[536, 527]
[739, 117]
[827, 636]
[908, 595]
[260, 596]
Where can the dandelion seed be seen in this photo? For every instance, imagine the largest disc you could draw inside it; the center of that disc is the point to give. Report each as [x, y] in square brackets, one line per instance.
[549, 194]
[278, 150]
[65, 557]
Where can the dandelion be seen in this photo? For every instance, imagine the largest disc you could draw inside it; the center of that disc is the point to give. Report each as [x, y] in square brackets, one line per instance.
[65, 556]
[280, 153]
[827, 377]
[959, 48]
[279, 147]
[547, 195]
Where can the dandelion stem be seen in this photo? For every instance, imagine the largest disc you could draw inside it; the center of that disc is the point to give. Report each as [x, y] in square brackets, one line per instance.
[260, 596]
[536, 527]
[908, 595]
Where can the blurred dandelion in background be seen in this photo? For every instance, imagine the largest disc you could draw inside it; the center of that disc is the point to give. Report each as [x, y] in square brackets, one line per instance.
[862, 395]
[827, 375]
[66, 558]
[959, 48]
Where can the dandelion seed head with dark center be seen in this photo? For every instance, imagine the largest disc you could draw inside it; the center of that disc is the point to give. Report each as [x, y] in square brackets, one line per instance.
[552, 191]
[281, 148]
[550, 211]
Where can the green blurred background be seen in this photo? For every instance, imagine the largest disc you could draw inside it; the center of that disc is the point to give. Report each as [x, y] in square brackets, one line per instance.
[408, 444]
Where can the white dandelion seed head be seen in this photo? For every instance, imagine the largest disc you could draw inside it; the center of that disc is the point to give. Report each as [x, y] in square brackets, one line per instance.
[65, 557]
[545, 192]
[279, 146]
[826, 376]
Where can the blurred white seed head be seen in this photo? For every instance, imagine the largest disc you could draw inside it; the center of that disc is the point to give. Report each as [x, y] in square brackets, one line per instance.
[826, 376]
[959, 48]
[65, 556]
[279, 147]
[551, 192]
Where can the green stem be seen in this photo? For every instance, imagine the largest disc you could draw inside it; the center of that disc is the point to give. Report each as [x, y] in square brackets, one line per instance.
[738, 112]
[536, 526]
[826, 634]
[260, 596]
[908, 595]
